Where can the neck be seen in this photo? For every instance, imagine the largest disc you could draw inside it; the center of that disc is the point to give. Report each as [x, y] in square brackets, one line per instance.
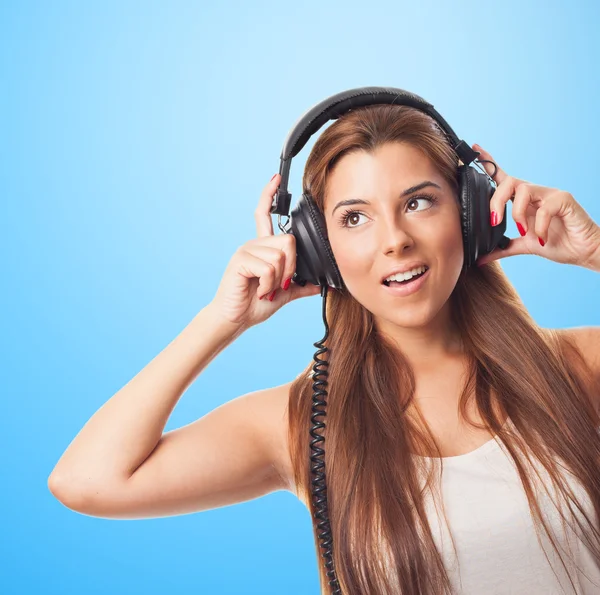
[425, 346]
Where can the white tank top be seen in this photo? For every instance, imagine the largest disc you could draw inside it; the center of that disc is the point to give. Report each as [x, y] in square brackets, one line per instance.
[498, 552]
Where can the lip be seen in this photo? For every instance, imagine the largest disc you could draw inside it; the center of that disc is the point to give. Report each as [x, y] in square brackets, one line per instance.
[409, 288]
[410, 267]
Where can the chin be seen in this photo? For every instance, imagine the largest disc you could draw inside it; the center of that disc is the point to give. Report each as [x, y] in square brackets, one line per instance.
[410, 319]
[408, 316]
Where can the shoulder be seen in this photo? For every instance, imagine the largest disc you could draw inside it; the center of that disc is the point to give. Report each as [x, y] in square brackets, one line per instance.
[587, 341]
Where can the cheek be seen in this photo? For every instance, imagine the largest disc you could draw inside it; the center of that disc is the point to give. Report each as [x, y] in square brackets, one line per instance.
[350, 268]
[355, 266]
[447, 232]
[353, 258]
[450, 250]
[451, 237]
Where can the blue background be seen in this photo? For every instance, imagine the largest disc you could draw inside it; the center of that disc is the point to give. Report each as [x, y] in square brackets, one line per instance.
[135, 140]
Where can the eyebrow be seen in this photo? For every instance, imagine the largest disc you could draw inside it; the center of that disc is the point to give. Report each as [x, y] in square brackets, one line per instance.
[411, 190]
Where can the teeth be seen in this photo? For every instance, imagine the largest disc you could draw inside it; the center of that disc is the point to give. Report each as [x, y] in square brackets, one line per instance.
[407, 275]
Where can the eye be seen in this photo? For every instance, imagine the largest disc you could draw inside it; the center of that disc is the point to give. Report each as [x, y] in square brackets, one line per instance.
[428, 197]
[347, 215]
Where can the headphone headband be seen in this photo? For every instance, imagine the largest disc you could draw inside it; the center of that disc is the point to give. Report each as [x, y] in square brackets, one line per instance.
[335, 106]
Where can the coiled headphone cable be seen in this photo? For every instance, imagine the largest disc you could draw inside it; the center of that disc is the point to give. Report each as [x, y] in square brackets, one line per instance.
[318, 483]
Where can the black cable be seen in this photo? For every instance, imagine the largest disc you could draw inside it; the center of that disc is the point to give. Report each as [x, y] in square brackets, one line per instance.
[319, 486]
[495, 167]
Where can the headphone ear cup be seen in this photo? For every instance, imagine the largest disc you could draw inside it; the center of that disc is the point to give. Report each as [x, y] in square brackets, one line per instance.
[314, 258]
[479, 237]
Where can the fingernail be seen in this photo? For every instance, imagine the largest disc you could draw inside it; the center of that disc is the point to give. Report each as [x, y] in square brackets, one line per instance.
[287, 283]
[520, 228]
[272, 296]
[494, 218]
[541, 241]
[272, 178]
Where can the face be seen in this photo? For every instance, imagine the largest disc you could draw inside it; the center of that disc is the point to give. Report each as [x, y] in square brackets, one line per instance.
[390, 230]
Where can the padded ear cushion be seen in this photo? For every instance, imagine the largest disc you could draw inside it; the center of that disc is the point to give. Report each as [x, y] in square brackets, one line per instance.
[479, 237]
[314, 257]
[467, 206]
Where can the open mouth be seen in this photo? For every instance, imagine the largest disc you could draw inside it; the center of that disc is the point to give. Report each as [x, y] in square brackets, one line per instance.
[407, 282]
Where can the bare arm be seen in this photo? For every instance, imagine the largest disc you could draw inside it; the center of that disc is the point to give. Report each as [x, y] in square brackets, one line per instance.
[121, 465]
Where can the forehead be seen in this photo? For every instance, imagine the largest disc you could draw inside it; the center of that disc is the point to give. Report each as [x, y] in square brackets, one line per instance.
[393, 165]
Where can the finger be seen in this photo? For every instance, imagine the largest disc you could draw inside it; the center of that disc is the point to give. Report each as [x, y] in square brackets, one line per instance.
[298, 291]
[283, 249]
[503, 193]
[288, 245]
[500, 174]
[551, 207]
[515, 246]
[254, 266]
[276, 258]
[521, 202]
[285, 242]
[262, 214]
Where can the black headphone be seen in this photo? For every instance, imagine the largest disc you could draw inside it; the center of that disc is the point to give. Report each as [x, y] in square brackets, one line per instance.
[314, 258]
[315, 261]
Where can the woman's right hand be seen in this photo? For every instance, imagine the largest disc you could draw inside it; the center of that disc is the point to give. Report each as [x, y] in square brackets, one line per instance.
[251, 289]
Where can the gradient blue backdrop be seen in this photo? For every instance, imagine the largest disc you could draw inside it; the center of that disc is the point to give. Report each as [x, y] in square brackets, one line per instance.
[135, 139]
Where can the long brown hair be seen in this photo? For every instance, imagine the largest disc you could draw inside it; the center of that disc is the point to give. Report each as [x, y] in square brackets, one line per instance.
[382, 541]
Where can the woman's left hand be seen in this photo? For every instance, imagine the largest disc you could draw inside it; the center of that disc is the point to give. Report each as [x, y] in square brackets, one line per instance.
[551, 222]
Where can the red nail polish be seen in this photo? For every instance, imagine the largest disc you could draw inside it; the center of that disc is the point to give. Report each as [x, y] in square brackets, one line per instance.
[272, 296]
[272, 178]
[542, 243]
[520, 228]
[493, 218]
[287, 283]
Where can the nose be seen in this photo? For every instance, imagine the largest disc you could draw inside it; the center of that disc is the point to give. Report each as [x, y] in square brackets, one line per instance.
[395, 238]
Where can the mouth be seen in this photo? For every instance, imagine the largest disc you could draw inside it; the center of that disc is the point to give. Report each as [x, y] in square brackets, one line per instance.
[407, 287]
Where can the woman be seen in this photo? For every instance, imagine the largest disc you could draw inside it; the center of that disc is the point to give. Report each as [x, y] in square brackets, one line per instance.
[437, 370]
